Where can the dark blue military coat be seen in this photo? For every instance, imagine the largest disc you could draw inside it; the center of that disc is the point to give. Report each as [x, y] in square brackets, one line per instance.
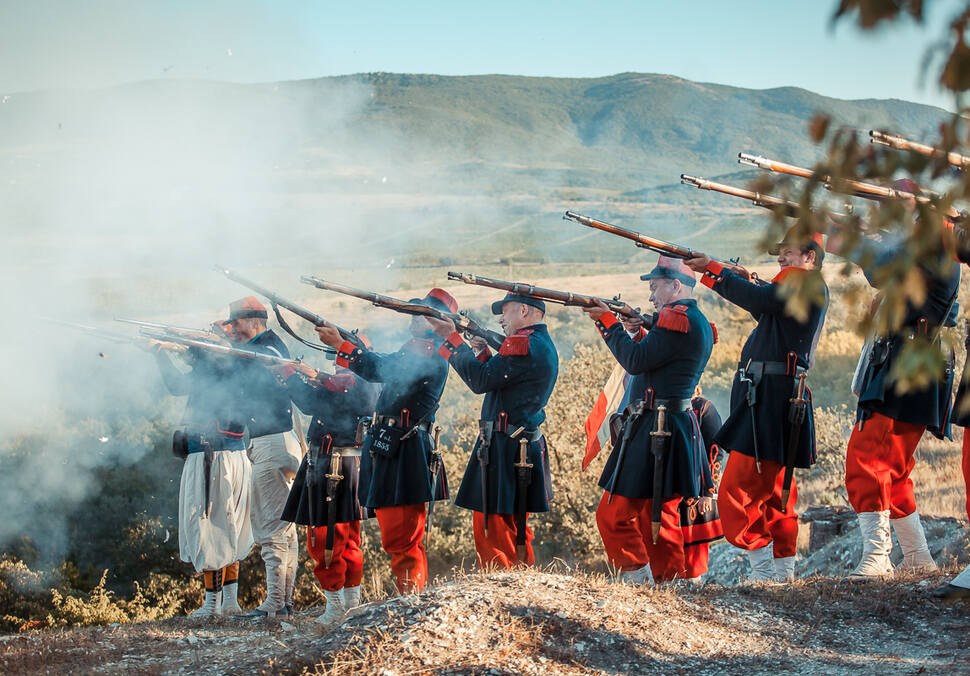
[780, 339]
[413, 379]
[517, 383]
[336, 404]
[266, 401]
[666, 363]
[214, 396]
[929, 406]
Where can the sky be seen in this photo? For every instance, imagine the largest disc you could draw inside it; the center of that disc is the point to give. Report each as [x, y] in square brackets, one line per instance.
[748, 43]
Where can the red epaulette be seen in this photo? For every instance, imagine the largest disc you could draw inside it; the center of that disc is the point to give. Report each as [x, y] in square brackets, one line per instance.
[714, 330]
[340, 382]
[674, 318]
[516, 345]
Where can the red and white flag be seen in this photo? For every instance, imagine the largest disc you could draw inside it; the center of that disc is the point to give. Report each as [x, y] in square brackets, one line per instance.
[598, 421]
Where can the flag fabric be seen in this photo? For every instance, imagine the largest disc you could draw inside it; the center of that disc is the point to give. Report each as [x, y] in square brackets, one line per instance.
[612, 399]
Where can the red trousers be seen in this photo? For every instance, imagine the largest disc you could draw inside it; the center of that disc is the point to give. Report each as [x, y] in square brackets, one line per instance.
[347, 563]
[497, 548]
[877, 466]
[625, 528]
[695, 559]
[402, 533]
[750, 506]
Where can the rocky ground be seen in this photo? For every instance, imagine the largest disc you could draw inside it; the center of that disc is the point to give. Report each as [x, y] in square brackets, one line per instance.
[565, 622]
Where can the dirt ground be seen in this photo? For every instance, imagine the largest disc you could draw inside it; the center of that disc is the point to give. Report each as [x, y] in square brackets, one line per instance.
[550, 621]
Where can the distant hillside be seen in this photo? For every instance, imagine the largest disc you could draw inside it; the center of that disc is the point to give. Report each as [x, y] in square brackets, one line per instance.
[397, 159]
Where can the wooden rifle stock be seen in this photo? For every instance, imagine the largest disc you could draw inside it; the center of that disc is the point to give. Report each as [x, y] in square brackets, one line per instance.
[899, 143]
[462, 322]
[562, 297]
[843, 185]
[215, 348]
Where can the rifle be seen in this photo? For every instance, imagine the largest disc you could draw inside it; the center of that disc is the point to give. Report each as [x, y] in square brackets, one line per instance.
[277, 300]
[195, 334]
[562, 297]
[98, 333]
[265, 359]
[899, 143]
[844, 185]
[462, 321]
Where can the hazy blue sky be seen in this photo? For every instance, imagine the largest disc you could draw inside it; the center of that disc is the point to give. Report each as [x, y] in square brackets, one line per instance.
[749, 43]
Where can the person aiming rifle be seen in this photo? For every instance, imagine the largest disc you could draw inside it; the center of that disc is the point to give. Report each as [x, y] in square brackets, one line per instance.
[766, 441]
[507, 475]
[324, 496]
[659, 457]
[397, 458]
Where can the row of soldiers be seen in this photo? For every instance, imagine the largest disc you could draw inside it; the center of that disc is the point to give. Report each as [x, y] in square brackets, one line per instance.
[667, 490]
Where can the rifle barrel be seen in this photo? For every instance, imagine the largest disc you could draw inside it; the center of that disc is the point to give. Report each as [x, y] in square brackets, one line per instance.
[900, 143]
[641, 240]
[222, 349]
[300, 311]
[562, 297]
[462, 322]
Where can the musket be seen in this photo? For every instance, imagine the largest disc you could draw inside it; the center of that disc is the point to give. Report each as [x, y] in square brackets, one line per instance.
[643, 241]
[96, 332]
[261, 357]
[195, 334]
[900, 143]
[300, 311]
[562, 297]
[845, 186]
[462, 322]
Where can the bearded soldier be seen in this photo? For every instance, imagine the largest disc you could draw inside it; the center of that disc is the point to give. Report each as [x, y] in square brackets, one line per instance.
[889, 424]
[770, 430]
[324, 496]
[508, 472]
[659, 464]
[275, 454]
[214, 528]
[398, 471]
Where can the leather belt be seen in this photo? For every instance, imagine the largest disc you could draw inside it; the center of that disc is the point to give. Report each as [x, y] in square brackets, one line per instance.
[770, 368]
[652, 403]
[345, 451]
[394, 421]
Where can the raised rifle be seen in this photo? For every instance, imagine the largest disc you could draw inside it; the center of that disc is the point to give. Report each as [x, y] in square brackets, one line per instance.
[551, 295]
[215, 348]
[103, 334]
[462, 321]
[899, 143]
[195, 334]
[845, 186]
[277, 301]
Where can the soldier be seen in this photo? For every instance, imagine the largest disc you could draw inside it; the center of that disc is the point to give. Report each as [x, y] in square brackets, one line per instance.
[889, 424]
[770, 430]
[275, 454]
[507, 475]
[659, 462]
[324, 496]
[214, 528]
[395, 472]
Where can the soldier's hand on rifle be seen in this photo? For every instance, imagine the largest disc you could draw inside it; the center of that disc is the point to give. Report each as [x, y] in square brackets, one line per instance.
[631, 324]
[596, 311]
[698, 263]
[478, 344]
[156, 345]
[302, 368]
[443, 327]
[329, 335]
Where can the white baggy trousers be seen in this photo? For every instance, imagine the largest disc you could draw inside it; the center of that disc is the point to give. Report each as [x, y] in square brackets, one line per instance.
[225, 536]
[275, 459]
